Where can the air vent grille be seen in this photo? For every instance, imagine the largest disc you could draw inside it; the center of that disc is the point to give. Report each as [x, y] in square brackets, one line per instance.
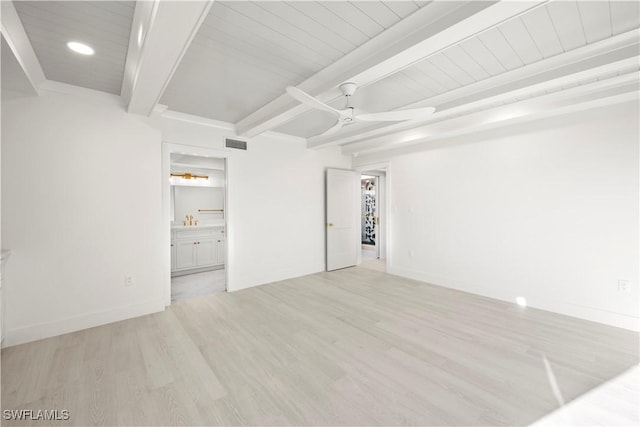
[235, 143]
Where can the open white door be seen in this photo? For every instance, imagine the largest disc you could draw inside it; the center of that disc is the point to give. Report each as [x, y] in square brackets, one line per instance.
[343, 218]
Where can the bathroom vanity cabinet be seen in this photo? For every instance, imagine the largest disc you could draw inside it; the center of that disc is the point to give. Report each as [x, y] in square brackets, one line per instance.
[197, 248]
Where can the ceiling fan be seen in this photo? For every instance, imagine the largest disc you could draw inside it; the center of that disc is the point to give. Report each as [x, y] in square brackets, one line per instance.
[350, 115]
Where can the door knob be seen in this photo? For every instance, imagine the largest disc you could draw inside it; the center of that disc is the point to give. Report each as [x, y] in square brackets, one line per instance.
[329, 224]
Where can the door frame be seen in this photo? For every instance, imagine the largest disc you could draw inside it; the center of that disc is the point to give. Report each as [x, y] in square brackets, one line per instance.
[384, 214]
[168, 149]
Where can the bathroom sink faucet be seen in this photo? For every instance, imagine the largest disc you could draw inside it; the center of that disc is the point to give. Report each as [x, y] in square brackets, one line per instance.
[189, 220]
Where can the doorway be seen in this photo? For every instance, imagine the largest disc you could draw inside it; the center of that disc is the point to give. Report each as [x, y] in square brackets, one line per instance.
[369, 216]
[197, 223]
[195, 192]
[373, 217]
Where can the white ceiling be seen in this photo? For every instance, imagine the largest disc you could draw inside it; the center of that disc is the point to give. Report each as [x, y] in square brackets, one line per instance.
[544, 32]
[247, 53]
[231, 61]
[104, 25]
[202, 162]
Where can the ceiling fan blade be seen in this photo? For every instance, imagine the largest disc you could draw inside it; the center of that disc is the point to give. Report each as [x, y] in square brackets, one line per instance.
[397, 116]
[333, 129]
[309, 100]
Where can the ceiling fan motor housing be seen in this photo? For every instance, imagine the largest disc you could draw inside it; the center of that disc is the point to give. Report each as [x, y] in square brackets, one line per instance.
[348, 88]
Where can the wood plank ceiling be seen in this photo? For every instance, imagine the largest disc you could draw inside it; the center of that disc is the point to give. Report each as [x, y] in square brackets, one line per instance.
[546, 31]
[247, 53]
[103, 25]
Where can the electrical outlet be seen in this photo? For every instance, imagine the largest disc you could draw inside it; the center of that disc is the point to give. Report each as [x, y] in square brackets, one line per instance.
[128, 281]
[624, 286]
[411, 253]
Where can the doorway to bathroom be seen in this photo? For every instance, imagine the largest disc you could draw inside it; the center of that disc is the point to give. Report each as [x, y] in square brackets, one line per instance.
[196, 215]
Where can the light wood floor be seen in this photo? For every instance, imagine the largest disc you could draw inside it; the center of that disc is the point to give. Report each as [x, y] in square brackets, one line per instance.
[615, 403]
[351, 347]
[371, 261]
[197, 284]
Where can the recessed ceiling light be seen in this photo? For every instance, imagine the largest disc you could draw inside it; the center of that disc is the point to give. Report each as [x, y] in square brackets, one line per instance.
[80, 48]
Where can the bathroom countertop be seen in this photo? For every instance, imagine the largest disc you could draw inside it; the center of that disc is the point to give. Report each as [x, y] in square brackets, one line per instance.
[196, 227]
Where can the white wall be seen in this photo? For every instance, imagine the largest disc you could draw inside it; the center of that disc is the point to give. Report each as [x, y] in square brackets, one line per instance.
[81, 204]
[548, 212]
[275, 210]
[277, 199]
[188, 199]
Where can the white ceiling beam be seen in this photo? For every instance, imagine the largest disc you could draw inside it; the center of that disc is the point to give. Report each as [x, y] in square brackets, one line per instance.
[422, 34]
[480, 115]
[143, 16]
[609, 49]
[473, 133]
[17, 39]
[160, 35]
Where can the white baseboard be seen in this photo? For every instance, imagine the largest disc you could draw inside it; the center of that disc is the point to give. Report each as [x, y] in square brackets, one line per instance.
[593, 314]
[76, 323]
[257, 279]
